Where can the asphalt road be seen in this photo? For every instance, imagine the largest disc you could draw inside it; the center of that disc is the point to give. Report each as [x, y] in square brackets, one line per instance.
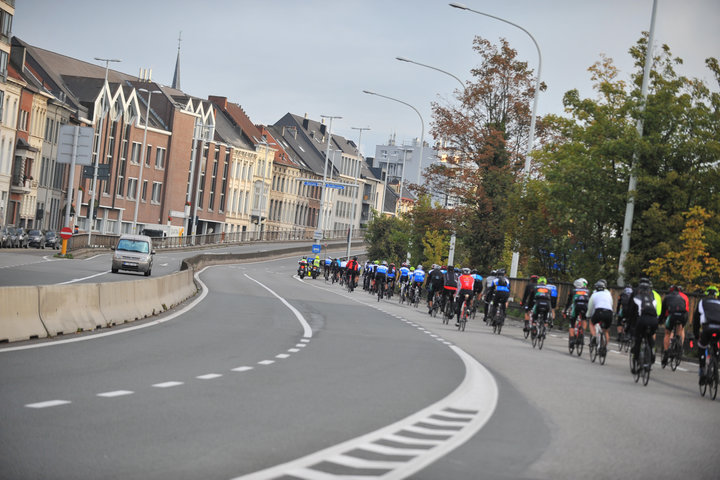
[332, 382]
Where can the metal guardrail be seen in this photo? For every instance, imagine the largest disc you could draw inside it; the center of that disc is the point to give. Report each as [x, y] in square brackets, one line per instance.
[80, 241]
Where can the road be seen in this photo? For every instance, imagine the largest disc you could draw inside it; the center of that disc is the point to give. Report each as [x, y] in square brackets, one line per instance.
[268, 374]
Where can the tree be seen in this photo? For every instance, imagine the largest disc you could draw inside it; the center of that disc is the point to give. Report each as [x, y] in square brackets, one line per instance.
[688, 262]
[388, 238]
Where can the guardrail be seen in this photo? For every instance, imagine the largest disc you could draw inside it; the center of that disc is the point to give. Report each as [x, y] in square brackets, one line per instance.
[80, 241]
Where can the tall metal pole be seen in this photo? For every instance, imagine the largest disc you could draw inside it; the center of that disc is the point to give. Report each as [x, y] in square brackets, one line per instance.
[321, 219]
[531, 135]
[357, 190]
[191, 183]
[142, 156]
[91, 206]
[262, 188]
[632, 184]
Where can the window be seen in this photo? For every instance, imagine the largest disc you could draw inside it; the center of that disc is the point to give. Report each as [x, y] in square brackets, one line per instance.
[135, 155]
[144, 190]
[23, 120]
[160, 158]
[3, 64]
[156, 192]
[148, 154]
[5, 24]
[132, 188]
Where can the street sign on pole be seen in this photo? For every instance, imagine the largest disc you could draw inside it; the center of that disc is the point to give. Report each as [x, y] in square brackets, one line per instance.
[312, 184]
[333, 185]
[316, 248]
[83, 155]
[103, 170]
[66, 233]
[318, 235]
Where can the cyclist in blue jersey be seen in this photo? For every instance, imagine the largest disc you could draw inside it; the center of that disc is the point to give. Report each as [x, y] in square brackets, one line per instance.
[404, 274]
[499, 292]
[553, 301]
[418, 277]
[477, 288]
[381, 276]
[391, 275]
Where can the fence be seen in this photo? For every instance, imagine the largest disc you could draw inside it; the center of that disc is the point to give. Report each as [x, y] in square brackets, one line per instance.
[80, 241]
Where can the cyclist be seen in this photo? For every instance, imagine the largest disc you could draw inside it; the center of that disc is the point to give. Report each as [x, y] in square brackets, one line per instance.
[404, 273]
[529, 288]
[352, 271]
[326, 267]
[675, 308]
[553, 301]
[577, 305]
[488, 293]
[392, 273]
[381, 276]
[418, 277]
[499, 292]
[477, 288]
[706, 321]
[435, 283]
[645, 308]
[302, 268]
[540, 301]
[450, 285]
[335, 269]
[623, 304]
[466, 283]
[600, 312]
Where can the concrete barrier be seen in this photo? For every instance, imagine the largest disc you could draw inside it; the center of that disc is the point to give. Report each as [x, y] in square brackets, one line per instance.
[70, 308]
[117, 302]
[20, 314]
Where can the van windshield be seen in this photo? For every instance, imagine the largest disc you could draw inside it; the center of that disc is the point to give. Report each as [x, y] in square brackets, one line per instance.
[133, 246]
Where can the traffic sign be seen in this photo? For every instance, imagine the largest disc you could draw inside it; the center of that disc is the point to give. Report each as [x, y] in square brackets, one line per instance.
[65, 233]
[318, 235]
[316, 248]
[333, 185]
[312, 184]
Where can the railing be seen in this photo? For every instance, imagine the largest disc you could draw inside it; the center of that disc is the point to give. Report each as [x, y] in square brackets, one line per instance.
[80, 241]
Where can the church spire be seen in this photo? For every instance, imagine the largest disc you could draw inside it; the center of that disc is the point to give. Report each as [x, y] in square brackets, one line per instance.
[176, 76]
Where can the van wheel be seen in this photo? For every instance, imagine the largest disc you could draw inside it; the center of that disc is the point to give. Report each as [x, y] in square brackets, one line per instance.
[147, 274]
[114, 270]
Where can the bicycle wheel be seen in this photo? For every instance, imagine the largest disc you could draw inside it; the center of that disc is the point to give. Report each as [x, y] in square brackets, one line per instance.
[634, 366]
[646, 363]
[579, 341]
[526, 330]
[713, 378]
[571, 345]
[593, 349]
[541, 336]
[534, 336]
[603, 349]
[676, 350]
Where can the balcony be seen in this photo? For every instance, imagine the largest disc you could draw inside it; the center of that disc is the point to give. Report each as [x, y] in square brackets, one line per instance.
[20, 184]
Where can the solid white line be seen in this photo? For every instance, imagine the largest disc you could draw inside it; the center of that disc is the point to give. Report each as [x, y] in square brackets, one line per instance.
[209, 376]
[116, 393]
[167, 384]
[83, 278]
[307, 331]
[242, 369]
[49, 403]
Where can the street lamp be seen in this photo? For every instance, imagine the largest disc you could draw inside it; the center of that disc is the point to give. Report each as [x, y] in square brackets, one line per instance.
[266, 144]
[357, 191]
[321, 219]
[422, 123]
[91, 207]
[531, 136]
[138, 190]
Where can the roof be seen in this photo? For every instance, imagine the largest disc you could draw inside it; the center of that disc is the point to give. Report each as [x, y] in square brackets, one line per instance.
[227, 132]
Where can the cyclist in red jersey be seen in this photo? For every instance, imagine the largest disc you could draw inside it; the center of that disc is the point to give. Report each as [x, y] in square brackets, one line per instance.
[466, 284]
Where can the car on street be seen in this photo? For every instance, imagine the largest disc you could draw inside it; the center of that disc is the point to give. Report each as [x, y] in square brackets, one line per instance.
[133, 253]
[36, 238]
[53, 240]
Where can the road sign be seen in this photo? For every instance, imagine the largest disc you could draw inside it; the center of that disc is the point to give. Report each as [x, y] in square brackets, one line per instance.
[103, 171]
[318, 235]
[65, 233]
[333, 185]
[312, 184]
[316, 248]
[83, 154]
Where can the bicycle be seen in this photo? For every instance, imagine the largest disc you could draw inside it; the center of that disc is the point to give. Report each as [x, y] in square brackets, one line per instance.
[598, 345]
[643, 365]
[498, 318]
[674, 352]
[539, 331]
[448, 311]
[712, 359]
[578, 341]
[464, 313]
[402, 296]
[380, 289]
[436, 304]
[416, 297]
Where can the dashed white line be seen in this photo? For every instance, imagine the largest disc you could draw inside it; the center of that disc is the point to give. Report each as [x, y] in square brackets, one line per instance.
[242, 369]
[282, 355]
[266, 362]
[293, 350]
[49, 403]
[116, 393]
[209, 376]
[167, 384]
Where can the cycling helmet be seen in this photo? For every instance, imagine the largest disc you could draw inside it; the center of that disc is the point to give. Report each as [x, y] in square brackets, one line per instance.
[412, 269]
[376, 262]
[419, 267]
[384, 262]
[355, 258]
[712, 291]
[580, 283]
[645, 281]
[474, 271]
[675, 288]
[600, 285]
[501, 271]
[466, 271]
[392, 264]
[542, 281]
[533, 278]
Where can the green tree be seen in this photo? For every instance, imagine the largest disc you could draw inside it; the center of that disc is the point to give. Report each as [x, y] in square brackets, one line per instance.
[388, 238]
[436, 246]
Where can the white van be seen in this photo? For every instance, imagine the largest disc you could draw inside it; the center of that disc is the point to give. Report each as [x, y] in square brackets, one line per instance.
[134, 253]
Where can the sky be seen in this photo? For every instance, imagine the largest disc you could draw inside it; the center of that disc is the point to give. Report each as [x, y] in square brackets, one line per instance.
[315, 57]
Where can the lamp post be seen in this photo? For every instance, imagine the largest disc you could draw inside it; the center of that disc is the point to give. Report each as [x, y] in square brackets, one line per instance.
[422, 123]
[91, 207]
[402, 177]
[531, 135]
[321, 219]
[142, 156]
[357, 191]
[451, 253]
[266, 144]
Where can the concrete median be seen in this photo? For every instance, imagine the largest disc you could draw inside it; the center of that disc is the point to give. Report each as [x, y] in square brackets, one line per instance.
[20, 314]
[71, 308]
[117, 302]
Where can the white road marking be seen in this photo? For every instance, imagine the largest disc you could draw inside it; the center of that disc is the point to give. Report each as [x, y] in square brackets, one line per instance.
[49, 403]
[293, 350]
[307, 331]
[209, 376]
[83, 278]
[242, 369]
[167, 384]
[116, 393]
[266, 362]
[282, 355]
[301, 345]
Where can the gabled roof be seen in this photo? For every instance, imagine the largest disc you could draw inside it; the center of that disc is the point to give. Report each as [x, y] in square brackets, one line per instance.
[282, 155]
[227, 132]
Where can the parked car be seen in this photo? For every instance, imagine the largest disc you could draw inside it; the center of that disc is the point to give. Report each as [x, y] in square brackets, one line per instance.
[23, 240]
[5, 236]
[36, 238]
[53, 240]
[133, 253]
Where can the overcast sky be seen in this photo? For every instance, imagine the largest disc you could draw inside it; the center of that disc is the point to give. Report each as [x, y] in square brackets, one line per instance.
[316, 57]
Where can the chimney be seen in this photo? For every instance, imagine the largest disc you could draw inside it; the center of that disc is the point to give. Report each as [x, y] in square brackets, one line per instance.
[323, 128]
[306, 122]
[221, 102]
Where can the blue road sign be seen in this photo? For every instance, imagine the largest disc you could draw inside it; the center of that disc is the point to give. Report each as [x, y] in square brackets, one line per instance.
[332, 185]
[316, 248]
[312, 184]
